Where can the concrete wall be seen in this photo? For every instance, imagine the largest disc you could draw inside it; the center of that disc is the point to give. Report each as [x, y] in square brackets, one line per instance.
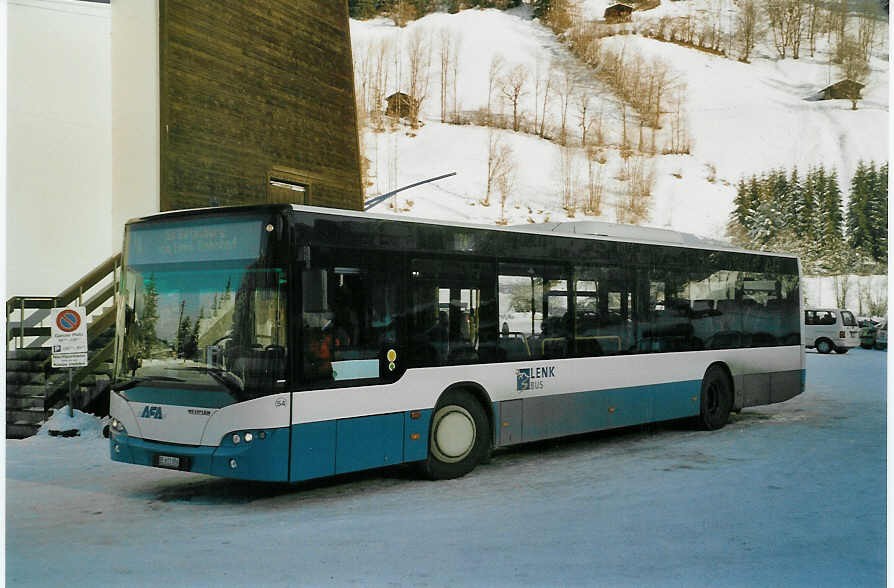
[59, 156]
[135, 107]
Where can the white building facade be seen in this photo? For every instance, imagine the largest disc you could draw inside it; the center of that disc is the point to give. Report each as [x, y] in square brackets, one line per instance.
[72, 180]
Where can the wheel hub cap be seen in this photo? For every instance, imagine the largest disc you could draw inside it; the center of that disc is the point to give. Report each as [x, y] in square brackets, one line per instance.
[454, 434]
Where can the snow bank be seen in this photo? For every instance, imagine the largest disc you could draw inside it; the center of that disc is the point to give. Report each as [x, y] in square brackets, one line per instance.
[87, 425]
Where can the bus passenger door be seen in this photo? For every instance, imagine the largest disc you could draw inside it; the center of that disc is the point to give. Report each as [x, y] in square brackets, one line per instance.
[348, 324]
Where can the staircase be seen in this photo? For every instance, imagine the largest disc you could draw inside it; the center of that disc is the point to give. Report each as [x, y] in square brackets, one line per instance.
[33, 387]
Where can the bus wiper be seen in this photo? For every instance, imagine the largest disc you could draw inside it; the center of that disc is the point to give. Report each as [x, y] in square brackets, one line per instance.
[230, 381]
[127, 385]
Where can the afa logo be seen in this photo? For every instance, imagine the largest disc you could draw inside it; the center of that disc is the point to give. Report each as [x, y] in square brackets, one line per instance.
[152, 412]
[533, 378]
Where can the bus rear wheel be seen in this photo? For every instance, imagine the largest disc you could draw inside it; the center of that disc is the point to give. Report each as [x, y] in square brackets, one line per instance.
[459, 438]
[716, 399]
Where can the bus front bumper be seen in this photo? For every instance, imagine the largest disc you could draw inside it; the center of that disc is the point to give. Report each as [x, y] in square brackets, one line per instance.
[263, 459]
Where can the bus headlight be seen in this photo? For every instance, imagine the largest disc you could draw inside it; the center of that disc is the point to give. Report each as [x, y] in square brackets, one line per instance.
[116, 426]
[240, 437]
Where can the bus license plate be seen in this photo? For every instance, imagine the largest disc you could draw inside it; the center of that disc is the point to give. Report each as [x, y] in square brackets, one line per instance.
[168, 461]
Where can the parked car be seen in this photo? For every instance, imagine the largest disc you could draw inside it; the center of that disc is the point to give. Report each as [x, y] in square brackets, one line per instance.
[830, 329]
[868, 328]
[881, 336]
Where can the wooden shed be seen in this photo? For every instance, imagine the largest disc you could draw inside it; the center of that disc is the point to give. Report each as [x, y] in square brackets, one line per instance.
[843, 90]
[400, 105]
[618, 13]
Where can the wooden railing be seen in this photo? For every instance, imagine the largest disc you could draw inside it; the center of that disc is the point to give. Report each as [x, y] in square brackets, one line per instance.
[95, 291]
[92, 291]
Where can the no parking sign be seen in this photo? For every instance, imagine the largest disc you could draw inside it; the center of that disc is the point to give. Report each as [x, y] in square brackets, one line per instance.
[68, 336]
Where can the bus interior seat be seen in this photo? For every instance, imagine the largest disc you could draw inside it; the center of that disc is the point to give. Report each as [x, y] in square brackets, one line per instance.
[515, 346]
[554, 347]
[464, 353]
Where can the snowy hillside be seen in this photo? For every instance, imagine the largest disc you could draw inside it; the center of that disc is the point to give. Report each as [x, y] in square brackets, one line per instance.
[741, 119]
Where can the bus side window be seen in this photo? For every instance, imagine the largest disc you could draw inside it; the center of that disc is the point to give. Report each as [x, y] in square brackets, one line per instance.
[452, 317]
[534, 312]
[349, 315]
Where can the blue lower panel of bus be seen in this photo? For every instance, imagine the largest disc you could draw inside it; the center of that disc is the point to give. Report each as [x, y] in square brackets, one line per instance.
[543, 417]
[348, 445]
[262, 459]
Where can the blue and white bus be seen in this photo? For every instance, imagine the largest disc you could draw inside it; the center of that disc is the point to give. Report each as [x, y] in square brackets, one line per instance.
[285, 343]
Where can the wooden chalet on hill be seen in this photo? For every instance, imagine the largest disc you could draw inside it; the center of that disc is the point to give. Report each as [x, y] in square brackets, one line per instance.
[618, 13]
[844, 90]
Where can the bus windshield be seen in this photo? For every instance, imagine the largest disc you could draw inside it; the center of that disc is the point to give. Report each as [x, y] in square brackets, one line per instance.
[188, 320]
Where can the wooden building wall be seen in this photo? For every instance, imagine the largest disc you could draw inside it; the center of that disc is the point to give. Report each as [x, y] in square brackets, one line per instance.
[257, 104]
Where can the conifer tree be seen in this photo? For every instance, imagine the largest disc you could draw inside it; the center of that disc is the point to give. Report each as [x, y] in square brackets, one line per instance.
[830, 210]
[806, 208]
[879, 213]
[859, 227]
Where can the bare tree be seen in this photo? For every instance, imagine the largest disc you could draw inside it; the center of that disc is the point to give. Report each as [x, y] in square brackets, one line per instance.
[746, 28]
[595, 182]
[382, 55]
[640, 175]
[679, 133]
[495, 73]
[598, 127]
[513, 89]
[418, 70]
[842, 284]
[775, 10]
[583, 115]
[543, 82]
[565, 91]
[658, 80]
[867, 30]
[505, 180]
[499, 156]
[837, 24]
[445, 53]
[569, 179]
[625, 138]
[455, 67]
[812, 25]
[794, 23]
[853, 66]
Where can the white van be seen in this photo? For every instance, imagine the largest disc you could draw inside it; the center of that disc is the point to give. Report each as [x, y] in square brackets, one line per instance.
[830, 329]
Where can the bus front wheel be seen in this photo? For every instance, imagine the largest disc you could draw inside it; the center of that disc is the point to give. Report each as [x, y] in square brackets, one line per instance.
[459, 438]
[824, 346]
[716, 399]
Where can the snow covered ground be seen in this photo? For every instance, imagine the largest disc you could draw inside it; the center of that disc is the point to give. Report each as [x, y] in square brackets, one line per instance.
[789, 494]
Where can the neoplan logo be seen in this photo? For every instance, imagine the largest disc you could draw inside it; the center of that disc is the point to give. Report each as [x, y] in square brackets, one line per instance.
[152, 412]
[533, 378]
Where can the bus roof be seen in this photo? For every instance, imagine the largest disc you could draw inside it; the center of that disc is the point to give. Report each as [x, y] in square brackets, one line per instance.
[587, 229]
